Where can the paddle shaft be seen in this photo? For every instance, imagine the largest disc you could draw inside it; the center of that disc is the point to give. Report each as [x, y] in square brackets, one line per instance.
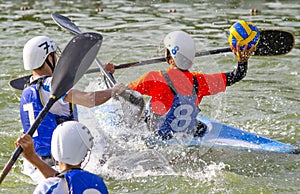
[75, 57]
[31, 131]
[126, 94]
[20, 82]
[67, 24]
[160, 60]
[272, 43]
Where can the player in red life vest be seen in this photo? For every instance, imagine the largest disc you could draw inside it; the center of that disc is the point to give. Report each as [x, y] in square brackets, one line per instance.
[177, 92]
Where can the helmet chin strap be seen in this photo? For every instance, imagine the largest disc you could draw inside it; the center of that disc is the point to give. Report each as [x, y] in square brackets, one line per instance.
[169, 59]
[86, 159]
[167, 56]
[51, 65]
[171, 62]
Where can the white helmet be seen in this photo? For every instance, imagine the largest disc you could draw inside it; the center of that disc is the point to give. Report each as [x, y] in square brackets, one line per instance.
[36, 51]
[182, 48]
[71, 142]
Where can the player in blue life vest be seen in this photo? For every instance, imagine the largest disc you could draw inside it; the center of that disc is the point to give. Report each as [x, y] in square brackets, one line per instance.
[39, 55]
[71, 143]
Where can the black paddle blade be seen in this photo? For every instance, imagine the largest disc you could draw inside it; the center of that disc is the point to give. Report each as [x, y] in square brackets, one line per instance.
[76, 58]
[19, 83]
[274, 42]
[65, 23]
[79, 56]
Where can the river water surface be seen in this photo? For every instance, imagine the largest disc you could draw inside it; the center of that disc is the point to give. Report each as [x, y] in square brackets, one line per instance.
[265, 102]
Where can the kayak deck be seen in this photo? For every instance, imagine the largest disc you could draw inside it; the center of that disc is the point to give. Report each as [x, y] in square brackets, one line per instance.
[221, 135]
[216, 135]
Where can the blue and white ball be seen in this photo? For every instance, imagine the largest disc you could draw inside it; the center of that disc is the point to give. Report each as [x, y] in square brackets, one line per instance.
[243, 32]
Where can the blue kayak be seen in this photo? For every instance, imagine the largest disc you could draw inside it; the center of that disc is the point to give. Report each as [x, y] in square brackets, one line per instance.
[224, 136]
[217, 135]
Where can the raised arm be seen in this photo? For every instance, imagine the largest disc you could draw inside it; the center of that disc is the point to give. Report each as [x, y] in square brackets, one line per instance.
[241, 70]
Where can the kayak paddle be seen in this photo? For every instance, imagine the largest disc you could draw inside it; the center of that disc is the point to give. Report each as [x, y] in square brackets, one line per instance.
[132, 101]
[272, 43]
[75, 59]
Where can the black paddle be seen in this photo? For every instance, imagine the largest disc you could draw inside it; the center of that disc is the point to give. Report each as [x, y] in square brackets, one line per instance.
[272, 43]
[132, 101]
[76, 58]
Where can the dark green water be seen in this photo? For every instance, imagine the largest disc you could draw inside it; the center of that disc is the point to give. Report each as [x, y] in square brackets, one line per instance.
[265, 102]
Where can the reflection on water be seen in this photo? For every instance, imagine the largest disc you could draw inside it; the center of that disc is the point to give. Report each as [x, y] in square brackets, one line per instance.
[265, 102]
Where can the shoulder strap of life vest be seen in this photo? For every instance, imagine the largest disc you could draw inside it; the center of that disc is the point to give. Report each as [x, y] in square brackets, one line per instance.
[39, 83]
[171, 85]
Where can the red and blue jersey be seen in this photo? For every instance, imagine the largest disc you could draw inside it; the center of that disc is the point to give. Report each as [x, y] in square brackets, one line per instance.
[155, 85]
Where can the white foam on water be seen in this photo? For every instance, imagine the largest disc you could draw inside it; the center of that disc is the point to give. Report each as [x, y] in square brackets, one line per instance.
[120, 153]
[209, 172]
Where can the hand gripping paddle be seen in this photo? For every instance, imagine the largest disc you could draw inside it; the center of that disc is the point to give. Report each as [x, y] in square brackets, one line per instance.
[75, 59]
[133, 103]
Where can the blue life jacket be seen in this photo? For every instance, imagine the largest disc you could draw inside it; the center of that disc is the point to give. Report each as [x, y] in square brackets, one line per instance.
[80, 180]
[182, 115]
[30, 106]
